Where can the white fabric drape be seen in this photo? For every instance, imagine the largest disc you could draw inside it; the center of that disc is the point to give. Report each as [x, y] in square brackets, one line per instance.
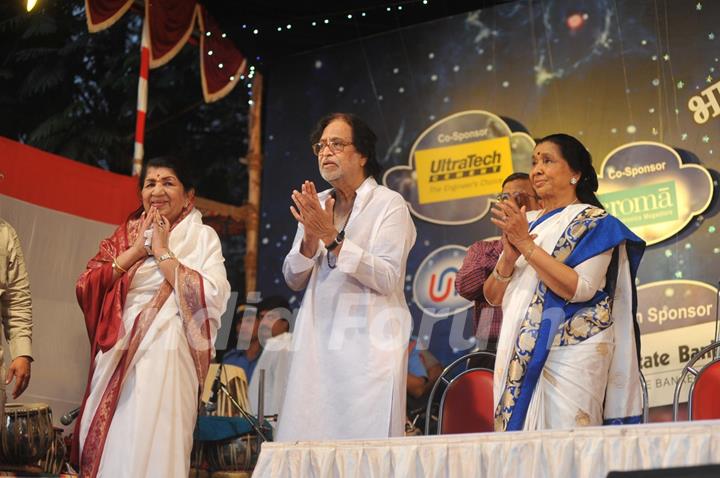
[585, 452]
[275, 360]
[151, 431]
[57, 247]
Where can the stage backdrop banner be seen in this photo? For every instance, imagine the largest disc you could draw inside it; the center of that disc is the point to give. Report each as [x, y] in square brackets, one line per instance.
[457, 105]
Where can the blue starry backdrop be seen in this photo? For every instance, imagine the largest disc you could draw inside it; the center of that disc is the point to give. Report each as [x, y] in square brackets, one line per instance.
[611, 72]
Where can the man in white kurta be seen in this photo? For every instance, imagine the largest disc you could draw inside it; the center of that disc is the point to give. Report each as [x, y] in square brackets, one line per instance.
[348, 373]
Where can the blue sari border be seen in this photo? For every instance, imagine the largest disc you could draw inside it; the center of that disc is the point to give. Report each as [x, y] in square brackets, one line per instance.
[632, 420]
[608, 233]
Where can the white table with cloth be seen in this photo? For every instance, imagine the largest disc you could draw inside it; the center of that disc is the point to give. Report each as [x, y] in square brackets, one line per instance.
[579, 452]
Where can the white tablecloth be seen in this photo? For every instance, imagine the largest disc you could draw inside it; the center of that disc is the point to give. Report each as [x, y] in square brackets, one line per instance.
[580, 452]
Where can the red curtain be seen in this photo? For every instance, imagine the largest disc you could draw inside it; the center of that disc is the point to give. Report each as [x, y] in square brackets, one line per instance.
[171, 23]
[102, 14]
[220, 61]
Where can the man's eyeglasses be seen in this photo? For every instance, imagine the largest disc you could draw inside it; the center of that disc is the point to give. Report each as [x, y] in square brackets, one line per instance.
[334, 145]
[518, 196]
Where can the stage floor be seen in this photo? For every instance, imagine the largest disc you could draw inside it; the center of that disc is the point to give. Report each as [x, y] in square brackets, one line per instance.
[580, 452]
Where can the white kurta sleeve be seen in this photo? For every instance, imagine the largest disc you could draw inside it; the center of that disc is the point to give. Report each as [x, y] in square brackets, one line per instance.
[591, 276]
[381, 267]
[297, 267]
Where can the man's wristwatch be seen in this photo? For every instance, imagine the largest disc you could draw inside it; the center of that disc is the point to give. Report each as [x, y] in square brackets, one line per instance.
[168, 255]
[338, 240]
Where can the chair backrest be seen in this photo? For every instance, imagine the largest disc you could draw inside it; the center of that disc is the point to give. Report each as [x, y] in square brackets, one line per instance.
[704, 403]
[466, 403]
[645, 399]
[702, 400]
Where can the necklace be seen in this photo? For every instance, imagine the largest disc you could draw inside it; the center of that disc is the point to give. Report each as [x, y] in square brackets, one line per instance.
[332, 263]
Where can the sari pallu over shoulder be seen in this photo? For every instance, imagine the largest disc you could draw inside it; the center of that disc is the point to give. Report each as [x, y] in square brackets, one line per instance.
[103, 304]
[550, 320]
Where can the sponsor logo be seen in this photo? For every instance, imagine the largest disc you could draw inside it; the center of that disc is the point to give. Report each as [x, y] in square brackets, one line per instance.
[648, 187]
[434, 284]
[644, 205]
[463, 170]
[457, 165]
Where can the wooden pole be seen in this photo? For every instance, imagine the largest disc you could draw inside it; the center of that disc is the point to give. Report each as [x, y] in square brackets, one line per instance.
[254, 158]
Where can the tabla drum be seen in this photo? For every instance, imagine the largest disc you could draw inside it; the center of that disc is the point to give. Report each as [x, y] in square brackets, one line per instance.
[236, 454]
[26, 434]
[54, 459]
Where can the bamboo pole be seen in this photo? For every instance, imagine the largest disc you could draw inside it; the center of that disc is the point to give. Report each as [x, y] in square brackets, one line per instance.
[254, 158]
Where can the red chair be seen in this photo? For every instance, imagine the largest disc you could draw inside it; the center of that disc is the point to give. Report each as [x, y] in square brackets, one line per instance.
[703, 403]
[466, 404]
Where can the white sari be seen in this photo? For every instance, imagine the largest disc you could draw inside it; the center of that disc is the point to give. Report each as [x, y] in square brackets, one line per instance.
[151, 432]
[590, 375]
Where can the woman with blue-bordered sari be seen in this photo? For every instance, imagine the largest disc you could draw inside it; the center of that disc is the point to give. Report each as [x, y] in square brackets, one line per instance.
[569, 344]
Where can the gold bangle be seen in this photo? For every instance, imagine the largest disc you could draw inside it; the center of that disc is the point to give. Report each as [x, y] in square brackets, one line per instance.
[501, 278]
[528, 255]
[117, 266]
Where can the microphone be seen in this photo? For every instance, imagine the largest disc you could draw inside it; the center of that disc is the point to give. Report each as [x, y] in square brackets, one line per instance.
[68, 418]
[212, 403]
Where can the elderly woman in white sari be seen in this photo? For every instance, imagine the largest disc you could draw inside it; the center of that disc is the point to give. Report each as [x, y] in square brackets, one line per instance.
[569, 345]
[152, 299]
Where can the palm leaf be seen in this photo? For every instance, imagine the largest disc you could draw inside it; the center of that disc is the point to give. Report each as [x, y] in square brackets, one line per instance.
[41, 79]
[12, 24]
[40, 25]
[27, 54]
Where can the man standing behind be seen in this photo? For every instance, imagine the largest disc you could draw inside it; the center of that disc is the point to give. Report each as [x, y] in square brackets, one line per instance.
[480, 262]
[16, 313]
[347, 377]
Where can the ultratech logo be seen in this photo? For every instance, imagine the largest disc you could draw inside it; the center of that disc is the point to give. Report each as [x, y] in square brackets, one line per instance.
[462, 170]
[473, 165]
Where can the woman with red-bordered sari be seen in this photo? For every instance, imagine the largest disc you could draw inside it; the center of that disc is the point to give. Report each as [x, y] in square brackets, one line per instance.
[152, 303]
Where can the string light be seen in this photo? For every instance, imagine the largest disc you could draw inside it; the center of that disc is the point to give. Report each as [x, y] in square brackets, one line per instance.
[30, 5]
[352, 14]
[349, 15]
